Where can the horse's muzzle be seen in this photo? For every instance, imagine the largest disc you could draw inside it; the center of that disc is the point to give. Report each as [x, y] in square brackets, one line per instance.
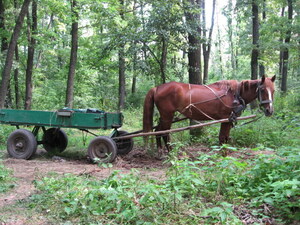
[268, 111]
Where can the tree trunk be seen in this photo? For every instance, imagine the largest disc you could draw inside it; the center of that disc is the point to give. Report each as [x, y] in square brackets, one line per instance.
[220, 53]
[261, 65]
[133, 85]
[10, 52]
[16, 80]
[207, 43]
[32, 27]
[281, 54]
[4, 44]
[122, 81]
[285, 54]
[134, 68]
[255, 38]
[73, 56]
[163, 61]
[194, 49]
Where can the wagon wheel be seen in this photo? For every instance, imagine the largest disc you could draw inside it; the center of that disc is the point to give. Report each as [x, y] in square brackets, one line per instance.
[102, 149]
[55, 140]
[124, 146]
[21, 144]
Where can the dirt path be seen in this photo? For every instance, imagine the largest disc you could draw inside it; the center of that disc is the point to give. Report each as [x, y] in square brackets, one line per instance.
[26, 171]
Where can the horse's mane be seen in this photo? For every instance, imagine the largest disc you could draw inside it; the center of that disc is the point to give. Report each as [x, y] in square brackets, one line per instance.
[226, 85]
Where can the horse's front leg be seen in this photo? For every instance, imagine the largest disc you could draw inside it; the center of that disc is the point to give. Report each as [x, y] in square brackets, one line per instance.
[224, 133]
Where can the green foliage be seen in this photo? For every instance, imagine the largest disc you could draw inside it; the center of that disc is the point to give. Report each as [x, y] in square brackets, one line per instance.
[4, 132]
[281, 129]
[272, 180]
[6, 179]
[203, 191]
[126, 199]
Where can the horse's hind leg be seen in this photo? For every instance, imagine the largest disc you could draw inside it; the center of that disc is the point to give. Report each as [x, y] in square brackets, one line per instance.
[167, 139]
[158, 137]
[166, 124]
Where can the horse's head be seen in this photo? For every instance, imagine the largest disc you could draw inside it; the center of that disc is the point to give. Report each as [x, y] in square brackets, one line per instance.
[265, 92]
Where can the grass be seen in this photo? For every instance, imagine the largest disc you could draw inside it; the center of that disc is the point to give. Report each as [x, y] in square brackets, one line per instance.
[204, 191]
[6, 179]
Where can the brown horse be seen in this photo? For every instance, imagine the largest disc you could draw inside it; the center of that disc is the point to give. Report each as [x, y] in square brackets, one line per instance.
[220, 100]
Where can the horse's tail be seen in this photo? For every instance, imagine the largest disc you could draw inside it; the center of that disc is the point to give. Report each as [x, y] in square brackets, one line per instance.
[148, 110]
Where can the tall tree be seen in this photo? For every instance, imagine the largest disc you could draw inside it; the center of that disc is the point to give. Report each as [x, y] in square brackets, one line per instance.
[16, 80]
[10, 52]
[281, 51]
[163, 59]
[193, 14]
[255, 39]
[73, 55]
[230, 32]
[32, 27]
[134, 67]
[261, 65]
[16, 71]
[4, 44]
[206, 46]
[285, 53]
[219, 47]
[122, 81]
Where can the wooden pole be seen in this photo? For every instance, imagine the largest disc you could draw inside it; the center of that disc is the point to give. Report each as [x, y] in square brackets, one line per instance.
[179, 129]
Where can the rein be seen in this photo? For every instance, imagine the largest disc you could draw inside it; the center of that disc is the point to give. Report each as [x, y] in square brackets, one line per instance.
[251, 121]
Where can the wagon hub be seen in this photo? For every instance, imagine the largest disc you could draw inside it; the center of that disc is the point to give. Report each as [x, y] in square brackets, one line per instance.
[19, 143]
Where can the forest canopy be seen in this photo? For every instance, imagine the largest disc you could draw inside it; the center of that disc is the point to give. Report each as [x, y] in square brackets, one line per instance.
[107, 54]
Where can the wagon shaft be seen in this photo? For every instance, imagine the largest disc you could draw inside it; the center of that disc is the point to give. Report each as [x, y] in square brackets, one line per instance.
[180, 129]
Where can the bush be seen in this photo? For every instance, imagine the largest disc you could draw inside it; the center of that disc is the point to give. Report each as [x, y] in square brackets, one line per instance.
[272, 180]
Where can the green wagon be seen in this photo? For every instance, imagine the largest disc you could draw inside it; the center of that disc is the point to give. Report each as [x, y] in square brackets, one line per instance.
[22, 143]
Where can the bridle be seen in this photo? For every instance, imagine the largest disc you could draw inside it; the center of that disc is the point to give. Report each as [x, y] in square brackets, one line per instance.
[259, 93]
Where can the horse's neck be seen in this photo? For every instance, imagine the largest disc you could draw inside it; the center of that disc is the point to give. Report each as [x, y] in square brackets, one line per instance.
[249, 90]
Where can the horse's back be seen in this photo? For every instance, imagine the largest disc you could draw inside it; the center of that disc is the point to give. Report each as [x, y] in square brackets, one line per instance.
[170, 96]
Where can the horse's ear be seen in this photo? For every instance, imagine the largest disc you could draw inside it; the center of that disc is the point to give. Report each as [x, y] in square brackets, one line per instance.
[273, 78]
[262, 79]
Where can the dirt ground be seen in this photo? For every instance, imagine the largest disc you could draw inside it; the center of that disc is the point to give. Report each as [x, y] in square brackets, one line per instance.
[26, 171]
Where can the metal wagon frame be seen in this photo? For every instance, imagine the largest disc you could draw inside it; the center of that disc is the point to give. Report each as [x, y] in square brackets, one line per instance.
[22, 143]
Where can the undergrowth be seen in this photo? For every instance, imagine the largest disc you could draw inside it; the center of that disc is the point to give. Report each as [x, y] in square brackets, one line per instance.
[6, 179]
[204, 191]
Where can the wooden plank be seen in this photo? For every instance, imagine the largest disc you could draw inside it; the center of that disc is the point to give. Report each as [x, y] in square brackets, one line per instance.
[174, 121]
[180, 129]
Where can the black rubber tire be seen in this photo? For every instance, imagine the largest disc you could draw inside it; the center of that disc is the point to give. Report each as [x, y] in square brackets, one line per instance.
[55, 140]
[21, 144]
[102, 149]
[124, 146]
